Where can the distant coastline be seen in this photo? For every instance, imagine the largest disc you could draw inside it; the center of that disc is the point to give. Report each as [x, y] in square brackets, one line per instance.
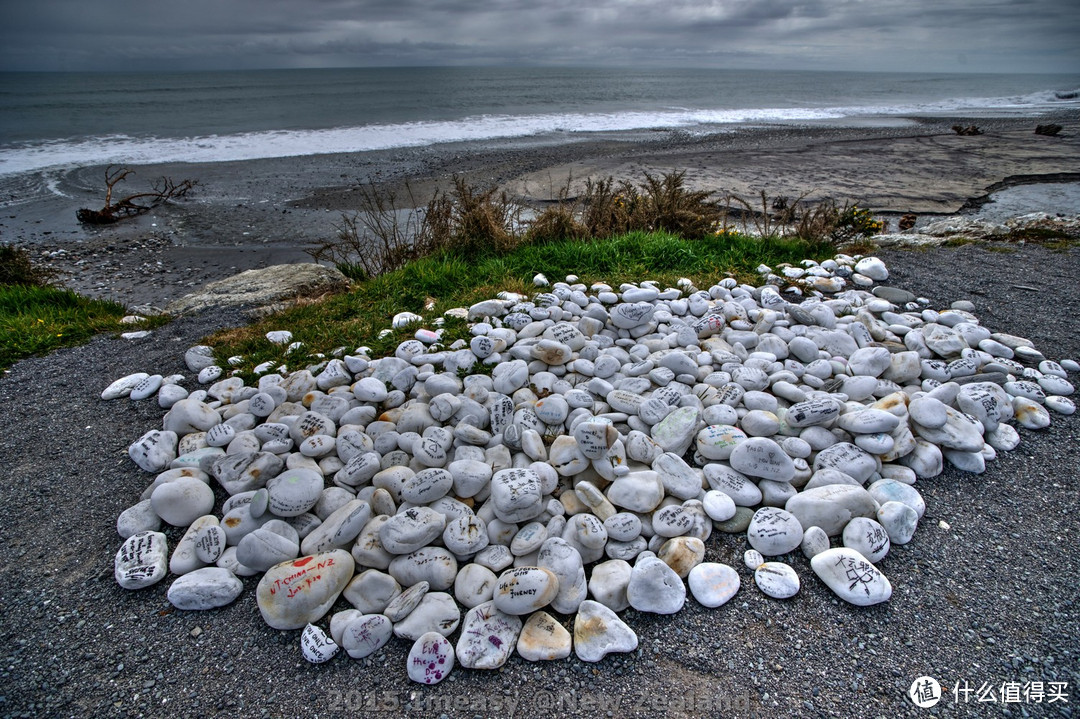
[61, 120]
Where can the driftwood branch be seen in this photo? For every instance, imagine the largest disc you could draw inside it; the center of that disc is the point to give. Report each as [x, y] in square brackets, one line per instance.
[161, 191]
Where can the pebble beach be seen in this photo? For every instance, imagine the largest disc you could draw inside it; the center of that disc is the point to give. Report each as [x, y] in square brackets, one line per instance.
[981, 593]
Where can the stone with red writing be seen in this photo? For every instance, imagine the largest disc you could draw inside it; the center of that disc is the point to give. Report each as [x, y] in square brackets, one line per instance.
[316, 646]
[488, 637]
[598, 631]
[141, 560]
[366, 635]
[206, 588]
[431, 659]
[543, 639]
[851, 576]
[294, 594]
[523, 590]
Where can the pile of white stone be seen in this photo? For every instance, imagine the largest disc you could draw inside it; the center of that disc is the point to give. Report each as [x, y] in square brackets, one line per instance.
[574, 457]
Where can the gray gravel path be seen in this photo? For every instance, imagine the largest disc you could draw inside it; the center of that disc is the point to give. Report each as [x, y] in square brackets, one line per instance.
[992, 600]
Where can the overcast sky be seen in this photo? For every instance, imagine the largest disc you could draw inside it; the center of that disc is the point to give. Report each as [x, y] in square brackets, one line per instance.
[916, 35]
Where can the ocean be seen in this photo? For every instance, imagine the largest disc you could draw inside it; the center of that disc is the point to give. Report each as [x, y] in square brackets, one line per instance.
[66, 120]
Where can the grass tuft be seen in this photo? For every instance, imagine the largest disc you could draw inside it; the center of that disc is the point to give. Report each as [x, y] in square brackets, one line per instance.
[37, 318]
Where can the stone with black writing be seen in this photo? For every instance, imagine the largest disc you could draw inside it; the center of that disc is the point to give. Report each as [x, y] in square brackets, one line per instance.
[411, 529]
[465, 535]
[774, 531]
[431, 659]
[436, 612]
[294, 594]
[154, 451]
[206, 588]
[543, 639]
[434, 565]
[655, 587]
[488, 637]
[812, 412]
[516, 495]
[598, 631]
[717, 441]
[474, 585]
[777, 580]
[141, 560]
[763, 458]
[594, 439]
[713, 584]
[316, 647]
[852, 577]
[847, 458]
[365, 635]
[524, 590]
[867, 537]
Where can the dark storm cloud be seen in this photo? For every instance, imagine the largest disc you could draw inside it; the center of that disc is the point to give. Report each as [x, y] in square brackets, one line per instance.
[1001, 35]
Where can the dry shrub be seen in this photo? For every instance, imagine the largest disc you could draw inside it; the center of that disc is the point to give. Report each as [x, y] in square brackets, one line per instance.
[483, 220]
[671, 207]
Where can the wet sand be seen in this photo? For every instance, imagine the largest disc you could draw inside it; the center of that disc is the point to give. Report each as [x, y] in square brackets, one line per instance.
[257, 213]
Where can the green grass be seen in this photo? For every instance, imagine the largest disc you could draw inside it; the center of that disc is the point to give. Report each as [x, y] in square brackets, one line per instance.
[448, 280]
[36, 320]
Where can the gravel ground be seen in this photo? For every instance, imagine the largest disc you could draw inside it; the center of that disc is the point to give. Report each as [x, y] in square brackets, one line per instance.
[991, 600]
